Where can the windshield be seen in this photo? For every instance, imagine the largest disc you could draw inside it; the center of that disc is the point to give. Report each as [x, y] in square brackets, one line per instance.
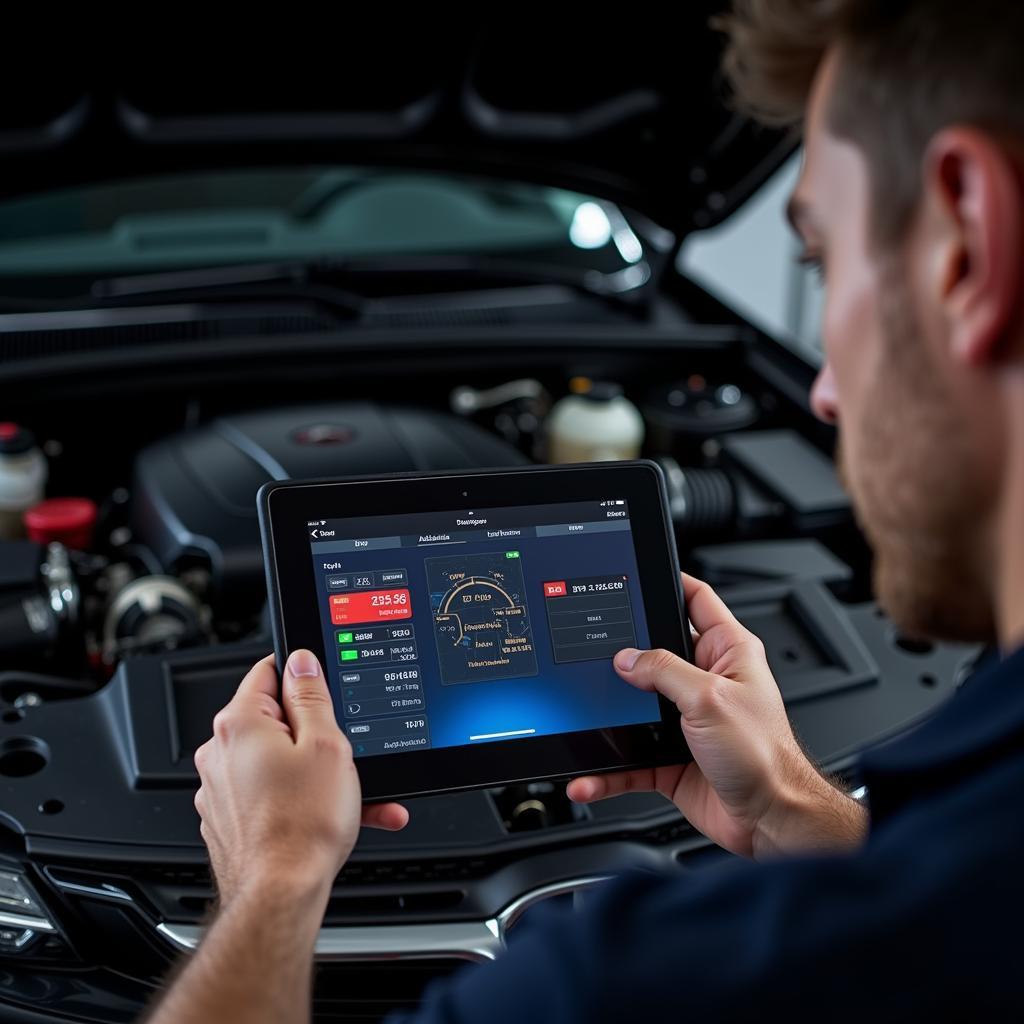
[751, 262]
[213, 219]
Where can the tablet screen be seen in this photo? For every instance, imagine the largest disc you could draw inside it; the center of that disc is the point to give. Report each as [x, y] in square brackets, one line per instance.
[447, 629]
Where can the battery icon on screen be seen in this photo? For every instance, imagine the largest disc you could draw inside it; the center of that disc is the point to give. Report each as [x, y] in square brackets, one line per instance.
[349, 655]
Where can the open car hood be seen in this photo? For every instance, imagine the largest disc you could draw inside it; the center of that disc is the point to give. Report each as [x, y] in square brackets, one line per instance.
[633, 112]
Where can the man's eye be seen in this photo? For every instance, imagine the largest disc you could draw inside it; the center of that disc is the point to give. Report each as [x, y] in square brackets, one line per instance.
[813, 262]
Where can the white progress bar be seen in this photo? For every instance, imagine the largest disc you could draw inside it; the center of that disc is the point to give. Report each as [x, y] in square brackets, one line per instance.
[498, 735]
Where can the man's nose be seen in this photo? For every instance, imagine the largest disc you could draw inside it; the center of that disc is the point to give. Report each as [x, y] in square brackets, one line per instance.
[824, 401]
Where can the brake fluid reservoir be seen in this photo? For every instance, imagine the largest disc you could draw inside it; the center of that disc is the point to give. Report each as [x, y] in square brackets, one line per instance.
[596, 424]
[23, 472]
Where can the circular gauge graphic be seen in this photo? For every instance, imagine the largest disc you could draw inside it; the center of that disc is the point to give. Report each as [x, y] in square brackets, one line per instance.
[481, 621]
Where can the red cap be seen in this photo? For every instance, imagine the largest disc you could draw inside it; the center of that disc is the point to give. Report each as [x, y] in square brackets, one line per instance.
[67, 520]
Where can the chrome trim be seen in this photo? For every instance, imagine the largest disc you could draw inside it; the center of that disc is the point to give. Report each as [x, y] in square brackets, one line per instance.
[39, 924]
[24, 938]
[104, 891]
[65, 598]
[464, 940]
[511, 914]
[468, 940]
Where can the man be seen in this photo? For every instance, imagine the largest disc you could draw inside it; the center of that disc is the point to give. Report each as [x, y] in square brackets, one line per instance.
[912, 197]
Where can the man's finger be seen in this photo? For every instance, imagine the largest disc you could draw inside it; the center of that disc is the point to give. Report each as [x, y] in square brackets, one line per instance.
[259, 681]
[390, 817]
[588, 788]
[202, 754]
[307, 702]
[677, 680]
[704, 607]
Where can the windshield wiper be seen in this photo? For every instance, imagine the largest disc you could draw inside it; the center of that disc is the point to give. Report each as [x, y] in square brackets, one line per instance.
[307, 277]
[246, 282]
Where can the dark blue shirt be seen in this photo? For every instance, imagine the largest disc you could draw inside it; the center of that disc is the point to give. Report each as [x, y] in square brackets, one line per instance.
[924, 922]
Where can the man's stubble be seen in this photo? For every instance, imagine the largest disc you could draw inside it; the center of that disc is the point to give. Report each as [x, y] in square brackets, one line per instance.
[913, 482]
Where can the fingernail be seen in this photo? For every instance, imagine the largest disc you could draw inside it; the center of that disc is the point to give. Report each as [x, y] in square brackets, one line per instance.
[626, 658]
[303, 663]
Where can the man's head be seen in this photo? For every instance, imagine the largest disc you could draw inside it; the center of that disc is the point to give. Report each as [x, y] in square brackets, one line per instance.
[911, 198]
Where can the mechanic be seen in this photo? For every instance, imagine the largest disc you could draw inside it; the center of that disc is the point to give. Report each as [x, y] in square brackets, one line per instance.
[912, 195]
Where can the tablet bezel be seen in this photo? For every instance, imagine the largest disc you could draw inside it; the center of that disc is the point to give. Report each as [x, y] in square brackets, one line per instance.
[291, 585]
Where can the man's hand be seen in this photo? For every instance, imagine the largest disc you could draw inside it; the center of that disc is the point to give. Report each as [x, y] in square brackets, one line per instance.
[280, 801]
[280, 807]
[750, 787]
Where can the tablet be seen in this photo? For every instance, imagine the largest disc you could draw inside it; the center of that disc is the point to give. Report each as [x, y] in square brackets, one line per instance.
[467, 621]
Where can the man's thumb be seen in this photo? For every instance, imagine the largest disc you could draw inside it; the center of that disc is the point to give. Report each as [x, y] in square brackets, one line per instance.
[682, 683]
[307, 701]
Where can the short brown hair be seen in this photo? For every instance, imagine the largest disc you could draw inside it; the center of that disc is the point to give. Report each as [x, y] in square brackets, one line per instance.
[907, 69]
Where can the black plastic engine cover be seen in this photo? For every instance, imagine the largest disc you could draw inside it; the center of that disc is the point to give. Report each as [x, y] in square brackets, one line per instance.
[195, 493]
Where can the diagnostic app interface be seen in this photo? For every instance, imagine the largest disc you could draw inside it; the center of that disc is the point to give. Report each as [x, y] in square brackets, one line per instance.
[451, 628]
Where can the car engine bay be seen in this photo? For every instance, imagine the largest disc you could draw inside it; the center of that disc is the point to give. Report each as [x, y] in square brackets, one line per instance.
[122, 644]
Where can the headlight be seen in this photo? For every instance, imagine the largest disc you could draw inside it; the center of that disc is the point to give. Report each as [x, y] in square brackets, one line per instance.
[22, 916]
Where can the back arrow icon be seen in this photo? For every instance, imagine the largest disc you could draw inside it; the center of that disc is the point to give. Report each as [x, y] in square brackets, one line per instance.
[313, 534]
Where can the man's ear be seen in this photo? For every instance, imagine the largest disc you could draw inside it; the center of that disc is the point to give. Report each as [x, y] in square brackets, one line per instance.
[973, 182]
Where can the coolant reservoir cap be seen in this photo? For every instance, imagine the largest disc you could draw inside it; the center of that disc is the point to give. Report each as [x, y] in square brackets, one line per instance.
[67, 520]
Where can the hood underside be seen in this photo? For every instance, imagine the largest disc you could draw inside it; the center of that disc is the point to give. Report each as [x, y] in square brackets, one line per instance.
[634, 113]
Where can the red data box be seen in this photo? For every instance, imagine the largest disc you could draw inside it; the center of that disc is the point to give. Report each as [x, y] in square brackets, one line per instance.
[556, 589]
[370, 606]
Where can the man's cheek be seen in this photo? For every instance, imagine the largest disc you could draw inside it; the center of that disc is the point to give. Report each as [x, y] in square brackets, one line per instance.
[850, 332]
[835, 319]
[850, 336]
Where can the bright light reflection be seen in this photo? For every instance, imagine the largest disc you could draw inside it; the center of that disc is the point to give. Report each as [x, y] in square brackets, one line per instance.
[590, 228]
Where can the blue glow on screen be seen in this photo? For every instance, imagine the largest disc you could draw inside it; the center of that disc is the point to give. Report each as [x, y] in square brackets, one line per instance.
[560, 698]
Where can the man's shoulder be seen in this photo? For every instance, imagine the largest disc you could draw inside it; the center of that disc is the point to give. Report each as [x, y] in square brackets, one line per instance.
[972, 742]
[923, 913]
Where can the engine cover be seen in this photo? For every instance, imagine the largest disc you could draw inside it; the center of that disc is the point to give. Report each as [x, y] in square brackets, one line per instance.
[194, 495]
